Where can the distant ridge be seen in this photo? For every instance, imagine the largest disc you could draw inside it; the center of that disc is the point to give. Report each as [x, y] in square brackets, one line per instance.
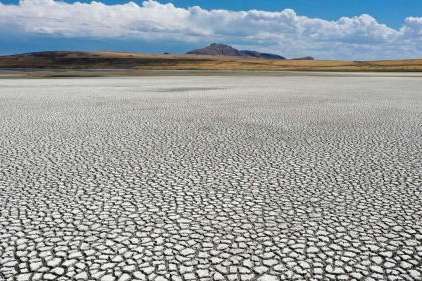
[225, 50]
[64, 63]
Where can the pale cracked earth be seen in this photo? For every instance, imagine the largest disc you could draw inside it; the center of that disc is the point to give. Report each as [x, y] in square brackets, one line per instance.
[211, 178]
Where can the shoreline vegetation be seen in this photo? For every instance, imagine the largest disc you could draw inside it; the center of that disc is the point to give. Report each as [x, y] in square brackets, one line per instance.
[108, 64]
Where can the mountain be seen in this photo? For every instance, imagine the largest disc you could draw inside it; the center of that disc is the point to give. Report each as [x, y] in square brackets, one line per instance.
[217, 50]
[226, 50]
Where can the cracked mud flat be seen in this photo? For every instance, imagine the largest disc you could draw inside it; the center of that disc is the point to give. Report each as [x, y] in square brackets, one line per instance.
[251, 178]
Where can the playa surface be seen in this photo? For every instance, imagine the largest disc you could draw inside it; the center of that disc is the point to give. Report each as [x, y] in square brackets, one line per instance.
[300, 177]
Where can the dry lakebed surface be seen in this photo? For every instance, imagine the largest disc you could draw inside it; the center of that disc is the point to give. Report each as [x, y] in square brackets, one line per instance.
[288, 177]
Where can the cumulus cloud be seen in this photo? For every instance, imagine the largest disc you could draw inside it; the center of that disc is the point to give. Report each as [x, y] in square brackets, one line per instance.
[283, 31]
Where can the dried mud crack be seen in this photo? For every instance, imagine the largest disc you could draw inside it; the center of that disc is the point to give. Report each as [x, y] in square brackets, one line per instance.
[224, 178]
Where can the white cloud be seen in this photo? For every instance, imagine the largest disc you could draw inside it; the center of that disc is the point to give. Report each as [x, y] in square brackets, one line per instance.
[412, 28]
[283, 32]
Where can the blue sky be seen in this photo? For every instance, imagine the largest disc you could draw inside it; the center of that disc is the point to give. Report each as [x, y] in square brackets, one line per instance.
[324, 29]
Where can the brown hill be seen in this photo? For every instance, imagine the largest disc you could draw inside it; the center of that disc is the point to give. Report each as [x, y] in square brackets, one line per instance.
[139, 61]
